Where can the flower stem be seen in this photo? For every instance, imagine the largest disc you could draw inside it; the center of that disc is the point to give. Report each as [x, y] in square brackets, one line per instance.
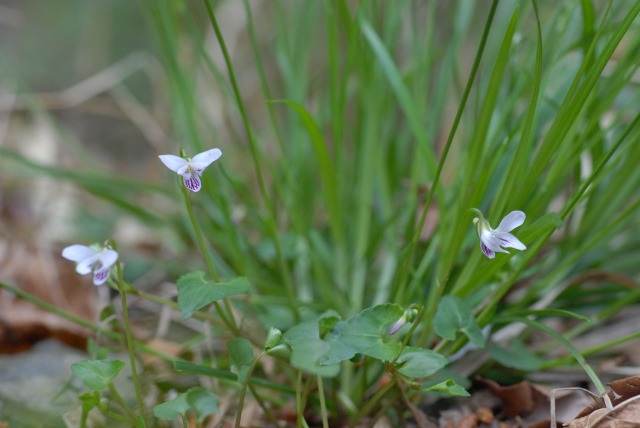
[373, 402]
[243, 391]
[271, 219]
[323, 406]
[229, 321]
[120, 400]
[127, 329]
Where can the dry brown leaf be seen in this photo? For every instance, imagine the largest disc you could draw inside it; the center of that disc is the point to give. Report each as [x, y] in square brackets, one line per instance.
[621, 390]
[626, 414]
[519, 399]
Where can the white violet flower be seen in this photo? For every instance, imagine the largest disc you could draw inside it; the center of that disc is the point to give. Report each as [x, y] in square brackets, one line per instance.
[492, 240]
[191, 169]
[90, 260]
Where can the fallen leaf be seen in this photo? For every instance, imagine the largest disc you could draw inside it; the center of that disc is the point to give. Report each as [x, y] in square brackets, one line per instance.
[519, 399]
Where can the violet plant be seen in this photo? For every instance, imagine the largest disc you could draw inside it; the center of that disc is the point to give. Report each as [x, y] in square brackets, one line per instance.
[338, 271]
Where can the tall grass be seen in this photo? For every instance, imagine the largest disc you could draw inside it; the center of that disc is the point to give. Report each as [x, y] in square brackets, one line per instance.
[357, 136]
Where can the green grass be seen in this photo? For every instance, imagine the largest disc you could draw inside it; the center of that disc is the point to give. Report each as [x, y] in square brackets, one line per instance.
[356, 137]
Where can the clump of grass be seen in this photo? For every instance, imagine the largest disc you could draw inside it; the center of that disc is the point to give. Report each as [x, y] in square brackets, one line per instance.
[372, 137]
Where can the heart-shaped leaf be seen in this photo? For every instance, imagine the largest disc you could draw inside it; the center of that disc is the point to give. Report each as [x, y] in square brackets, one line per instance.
[418, 362]
[194, 292]
[307, 348]
[97, 374]
[454, 315]
[198, 399]
[365, 333]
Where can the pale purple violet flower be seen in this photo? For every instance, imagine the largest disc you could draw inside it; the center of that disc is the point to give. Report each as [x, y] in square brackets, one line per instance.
[492, 240]
[191, 169]
[90, 260]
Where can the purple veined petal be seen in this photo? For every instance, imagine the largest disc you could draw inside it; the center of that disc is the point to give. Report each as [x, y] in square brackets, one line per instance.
[108, 258]
[487, 251]
[86, 266]
[174, 163]
[511, 221]
[204, 159]
[490, 241]
[100, 276]
[508, 240]
[77, 253]
[192, 182]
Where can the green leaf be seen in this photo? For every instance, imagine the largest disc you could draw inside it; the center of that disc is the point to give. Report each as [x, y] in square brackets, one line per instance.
[203, 402]
[418, 362]
[194, 292]
[307, 348]
[172, 409]
[517, 357]
[97, 374]
[241, 351]
[448, 387]
[197, 399]
[454, 315]
[365, 333]
[327, 322]
[241, 354]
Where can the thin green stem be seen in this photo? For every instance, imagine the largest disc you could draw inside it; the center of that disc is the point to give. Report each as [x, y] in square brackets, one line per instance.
[454, 127]
[323, 405]
[271, 223]
[407, 337]
[574, 352]
[130, 348]
[373, 402]
[119, 399]
[84, 323]
[590, 351]
[243, 391]
[196, 230]
[109, 414]
[268, 413]
[299, 405]
[83, 418]
[229, 321]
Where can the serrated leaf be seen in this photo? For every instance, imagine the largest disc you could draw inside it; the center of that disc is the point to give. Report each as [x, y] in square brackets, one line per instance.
[198, 399]
[418, 362]
[364, 333]
[448, 387]
[517, 357]
[455, 315]
[97, 374]
[194, 292]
